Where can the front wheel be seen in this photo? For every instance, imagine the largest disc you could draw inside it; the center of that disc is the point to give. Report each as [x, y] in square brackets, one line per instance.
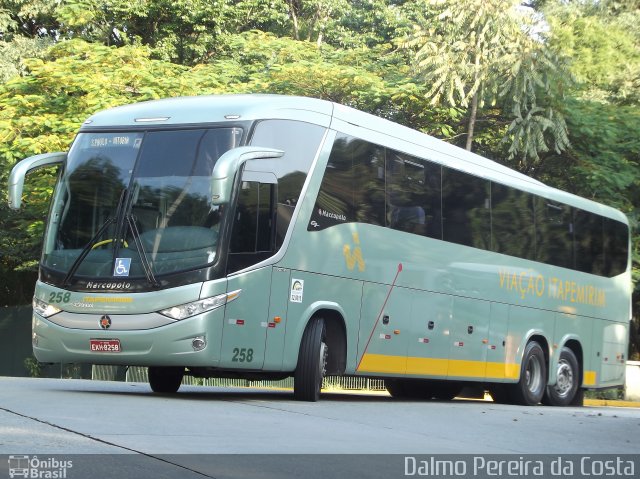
[165, 380]
[563, 392]
[312, 362]
[533, 376]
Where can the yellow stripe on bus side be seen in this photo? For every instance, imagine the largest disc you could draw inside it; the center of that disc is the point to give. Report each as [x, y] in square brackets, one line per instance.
[414, 366]
[380, 363]
[590, 378]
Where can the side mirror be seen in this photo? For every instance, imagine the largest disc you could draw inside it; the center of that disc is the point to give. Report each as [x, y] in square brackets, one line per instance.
[228, 164]
[18, 173]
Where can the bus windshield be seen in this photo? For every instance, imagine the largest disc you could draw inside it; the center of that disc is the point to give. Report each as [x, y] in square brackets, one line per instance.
[136, 204]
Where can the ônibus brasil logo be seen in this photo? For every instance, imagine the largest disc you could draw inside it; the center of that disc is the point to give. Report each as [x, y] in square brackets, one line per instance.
[33, 467]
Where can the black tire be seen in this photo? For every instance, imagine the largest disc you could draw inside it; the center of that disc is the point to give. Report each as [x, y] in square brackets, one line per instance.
[165, 380]
[533, 377]
[564, 391]
[446, 390]
[500, 393]
[312, 362]
[397, 388]
[411, 388]
[578, 399]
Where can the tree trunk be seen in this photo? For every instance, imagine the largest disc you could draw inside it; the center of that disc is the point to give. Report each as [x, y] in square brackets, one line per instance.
[294, 18]
[472, 121]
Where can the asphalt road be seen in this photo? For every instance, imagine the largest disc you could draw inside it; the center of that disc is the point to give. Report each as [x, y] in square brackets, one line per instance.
[114, 429]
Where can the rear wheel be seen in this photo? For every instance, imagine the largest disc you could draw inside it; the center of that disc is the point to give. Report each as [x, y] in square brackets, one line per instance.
[533, 377]
[165, 379]
[500, 393]
[312, 362]
[446, 390]
[563, 392]
[409, 388]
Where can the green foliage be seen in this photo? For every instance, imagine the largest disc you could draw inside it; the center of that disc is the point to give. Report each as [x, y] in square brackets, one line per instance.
[605, 49]
[475, 53]
[13, 54]
[606, 170]
[29, 18]
[33, 367]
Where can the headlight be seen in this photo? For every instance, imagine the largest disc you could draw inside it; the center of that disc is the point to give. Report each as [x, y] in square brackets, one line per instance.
[187, 310]
[44, 309]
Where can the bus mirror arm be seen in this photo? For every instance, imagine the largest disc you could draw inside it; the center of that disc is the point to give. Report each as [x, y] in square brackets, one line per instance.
[229, 164]
[26, 166]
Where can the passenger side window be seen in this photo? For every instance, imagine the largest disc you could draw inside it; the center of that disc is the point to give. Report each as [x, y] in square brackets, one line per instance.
[588, 242]
[513, 231]
[616, 247]
[413, 195]
[353, 186]
[466, 216]
[554, 233]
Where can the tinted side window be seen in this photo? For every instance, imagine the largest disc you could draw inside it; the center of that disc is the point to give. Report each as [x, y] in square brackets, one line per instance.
[588, 242]
[554, 233]
[300, 142]
[369, 182]
[466, 216]
[513, 231]
[353, 185]
[616, 247]
[252, 219]
[413, 195]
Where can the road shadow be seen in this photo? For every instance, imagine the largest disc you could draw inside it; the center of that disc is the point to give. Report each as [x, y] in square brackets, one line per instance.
[235, 394]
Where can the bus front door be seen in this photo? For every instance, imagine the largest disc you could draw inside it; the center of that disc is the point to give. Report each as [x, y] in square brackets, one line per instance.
[252, 241]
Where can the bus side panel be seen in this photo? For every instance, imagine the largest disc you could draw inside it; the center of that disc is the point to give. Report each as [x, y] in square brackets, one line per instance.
[276, 330]
[382, 345]
[244, 328]
[429, 336]
[319, 292]
[470, 327]
[612, 350]
[523, 324]
[572, 327]
[498, 368]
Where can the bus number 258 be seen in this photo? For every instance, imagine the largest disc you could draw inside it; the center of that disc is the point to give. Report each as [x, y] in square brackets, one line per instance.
[242, 355]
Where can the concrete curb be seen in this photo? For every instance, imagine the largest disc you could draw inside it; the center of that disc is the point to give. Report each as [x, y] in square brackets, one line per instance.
[611, 403]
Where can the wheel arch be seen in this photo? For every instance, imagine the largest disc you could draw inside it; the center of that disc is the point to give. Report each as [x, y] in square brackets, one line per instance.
[336, 333]
[540, 338]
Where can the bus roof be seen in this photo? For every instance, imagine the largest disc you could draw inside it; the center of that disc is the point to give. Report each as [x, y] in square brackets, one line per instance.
[212, 109]
[232, 108]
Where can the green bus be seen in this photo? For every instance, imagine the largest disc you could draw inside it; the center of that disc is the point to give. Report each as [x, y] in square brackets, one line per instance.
[267, 236]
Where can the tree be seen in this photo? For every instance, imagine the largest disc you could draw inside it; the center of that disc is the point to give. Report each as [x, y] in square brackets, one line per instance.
[12, 54]
[27, 18]
[475, 53]
[604, 47]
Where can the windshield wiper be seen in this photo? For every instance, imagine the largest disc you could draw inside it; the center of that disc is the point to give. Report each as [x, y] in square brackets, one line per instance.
[144, 259]
[86, 250]
[89, 246]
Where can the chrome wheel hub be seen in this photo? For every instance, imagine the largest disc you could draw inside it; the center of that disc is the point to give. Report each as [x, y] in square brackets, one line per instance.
[565, 379]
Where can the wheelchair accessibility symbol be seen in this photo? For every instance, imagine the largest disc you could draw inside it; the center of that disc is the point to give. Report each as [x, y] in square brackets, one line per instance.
[122, 267]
